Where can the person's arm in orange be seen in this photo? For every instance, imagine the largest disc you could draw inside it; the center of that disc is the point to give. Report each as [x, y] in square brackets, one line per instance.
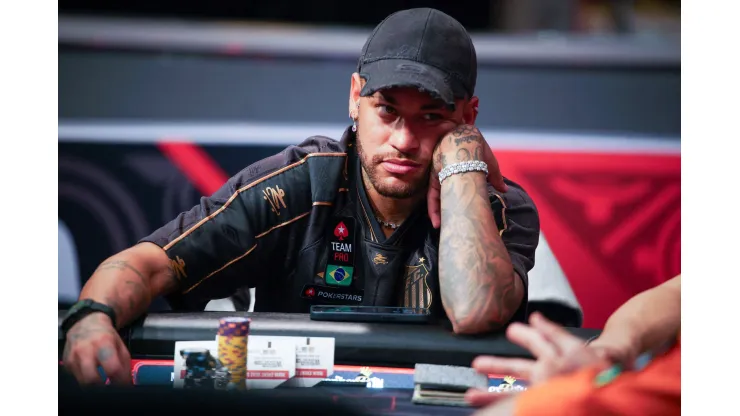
[643, 323]
[646, 321]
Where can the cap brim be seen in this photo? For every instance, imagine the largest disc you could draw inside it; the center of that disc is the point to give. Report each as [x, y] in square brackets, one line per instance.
[394, 73]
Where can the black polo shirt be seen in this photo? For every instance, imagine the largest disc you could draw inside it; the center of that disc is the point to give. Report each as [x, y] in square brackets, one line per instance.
[298, 227]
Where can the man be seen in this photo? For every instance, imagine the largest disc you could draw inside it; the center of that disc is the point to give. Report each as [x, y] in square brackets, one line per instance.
[362, 221]
[633, 367]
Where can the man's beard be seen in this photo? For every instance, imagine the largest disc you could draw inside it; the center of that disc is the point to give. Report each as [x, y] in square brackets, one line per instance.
[398, 191]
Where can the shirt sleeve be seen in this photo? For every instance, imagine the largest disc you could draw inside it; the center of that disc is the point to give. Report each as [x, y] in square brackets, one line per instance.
[654, 390]
[519, 226]
[220, 244]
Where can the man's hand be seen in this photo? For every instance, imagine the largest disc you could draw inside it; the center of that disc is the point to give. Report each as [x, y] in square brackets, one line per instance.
[556, 351]
[459, 145]
[91, 343]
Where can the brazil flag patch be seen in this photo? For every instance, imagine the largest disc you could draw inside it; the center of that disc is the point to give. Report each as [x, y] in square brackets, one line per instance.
[338, 275]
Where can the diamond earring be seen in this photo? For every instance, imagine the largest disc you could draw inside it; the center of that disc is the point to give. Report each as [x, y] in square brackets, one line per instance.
[354, 117]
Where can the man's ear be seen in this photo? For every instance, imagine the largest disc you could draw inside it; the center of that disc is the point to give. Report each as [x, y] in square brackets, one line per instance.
[470, 111]
[354, 92]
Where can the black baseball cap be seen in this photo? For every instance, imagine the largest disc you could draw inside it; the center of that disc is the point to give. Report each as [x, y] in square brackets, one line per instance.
[422, 48]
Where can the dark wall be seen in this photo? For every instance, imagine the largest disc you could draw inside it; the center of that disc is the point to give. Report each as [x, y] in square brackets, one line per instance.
[178, 87]
[474, 14]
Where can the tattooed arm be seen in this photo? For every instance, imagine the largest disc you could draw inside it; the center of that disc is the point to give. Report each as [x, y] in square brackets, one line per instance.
[129, 280]
[479, 287]
[126, 282]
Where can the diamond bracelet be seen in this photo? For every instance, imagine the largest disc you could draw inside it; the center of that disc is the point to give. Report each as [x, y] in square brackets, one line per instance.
[462, 167]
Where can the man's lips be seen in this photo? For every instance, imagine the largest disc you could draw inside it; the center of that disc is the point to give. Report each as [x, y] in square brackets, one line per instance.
[400, 166]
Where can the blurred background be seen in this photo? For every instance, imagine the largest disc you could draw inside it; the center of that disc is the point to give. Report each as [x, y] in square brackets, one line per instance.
[161, 101]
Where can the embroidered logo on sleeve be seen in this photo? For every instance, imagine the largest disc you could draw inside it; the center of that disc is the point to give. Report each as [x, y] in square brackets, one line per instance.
[275, 197]
[178, 268]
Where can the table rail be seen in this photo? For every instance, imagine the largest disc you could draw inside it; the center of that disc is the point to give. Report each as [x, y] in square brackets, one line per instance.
[391, 345]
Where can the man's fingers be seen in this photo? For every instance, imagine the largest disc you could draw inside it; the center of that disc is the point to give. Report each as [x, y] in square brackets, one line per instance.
[517, 367]
[531, 339]
[495, 178]
[498, 182]
[88, 370]
[73, 367]
[109, 359]
[433, 202]
[480, 398]
[554, 333]
[125, 358]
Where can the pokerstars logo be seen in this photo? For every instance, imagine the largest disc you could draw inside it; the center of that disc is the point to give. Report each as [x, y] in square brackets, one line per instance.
[340, 231]
[310, 292]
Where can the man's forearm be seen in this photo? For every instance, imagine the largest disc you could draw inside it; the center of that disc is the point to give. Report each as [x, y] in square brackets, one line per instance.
[128, 281]
[647, 320]
[479, 288]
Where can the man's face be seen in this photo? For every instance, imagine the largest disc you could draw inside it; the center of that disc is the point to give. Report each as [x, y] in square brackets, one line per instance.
[397, 131]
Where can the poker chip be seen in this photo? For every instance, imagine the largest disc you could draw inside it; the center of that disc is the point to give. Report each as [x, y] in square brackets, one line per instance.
[232, 350]
[234, 327]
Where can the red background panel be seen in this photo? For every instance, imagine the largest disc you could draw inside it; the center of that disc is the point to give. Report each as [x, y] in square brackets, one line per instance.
[612, 220]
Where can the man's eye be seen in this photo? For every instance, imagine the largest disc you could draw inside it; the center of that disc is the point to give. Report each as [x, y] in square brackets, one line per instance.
[433, 116]
[387, 109]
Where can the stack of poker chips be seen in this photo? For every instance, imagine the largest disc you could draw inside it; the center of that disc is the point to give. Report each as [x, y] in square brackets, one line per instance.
[233, 334]
[199, 364]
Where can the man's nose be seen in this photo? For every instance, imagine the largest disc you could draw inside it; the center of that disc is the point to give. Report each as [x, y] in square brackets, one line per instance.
[404, 139]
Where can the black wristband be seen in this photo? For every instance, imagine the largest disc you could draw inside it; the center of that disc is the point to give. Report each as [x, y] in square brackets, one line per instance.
[84, 308]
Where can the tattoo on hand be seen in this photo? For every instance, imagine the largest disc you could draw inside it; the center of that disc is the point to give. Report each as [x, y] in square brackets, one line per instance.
[465, 130]
[467, 139]
[104, 354]
[442, 160]
[83, 331]
[468, 145]
[463, 155]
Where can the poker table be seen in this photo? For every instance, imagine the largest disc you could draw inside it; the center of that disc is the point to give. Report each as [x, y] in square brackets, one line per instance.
[390, 351]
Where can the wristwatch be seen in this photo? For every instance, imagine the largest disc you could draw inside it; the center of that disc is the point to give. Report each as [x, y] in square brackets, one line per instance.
[84, 308]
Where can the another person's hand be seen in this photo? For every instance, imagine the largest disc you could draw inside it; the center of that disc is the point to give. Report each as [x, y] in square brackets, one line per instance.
[557, 352]
[465, 142]
[620, 349]
[91, 343]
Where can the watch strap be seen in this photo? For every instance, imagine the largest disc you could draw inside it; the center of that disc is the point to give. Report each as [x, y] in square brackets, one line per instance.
[83, 308]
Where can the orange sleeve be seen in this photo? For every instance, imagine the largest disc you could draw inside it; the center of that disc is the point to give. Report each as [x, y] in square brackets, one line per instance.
[656, 390]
